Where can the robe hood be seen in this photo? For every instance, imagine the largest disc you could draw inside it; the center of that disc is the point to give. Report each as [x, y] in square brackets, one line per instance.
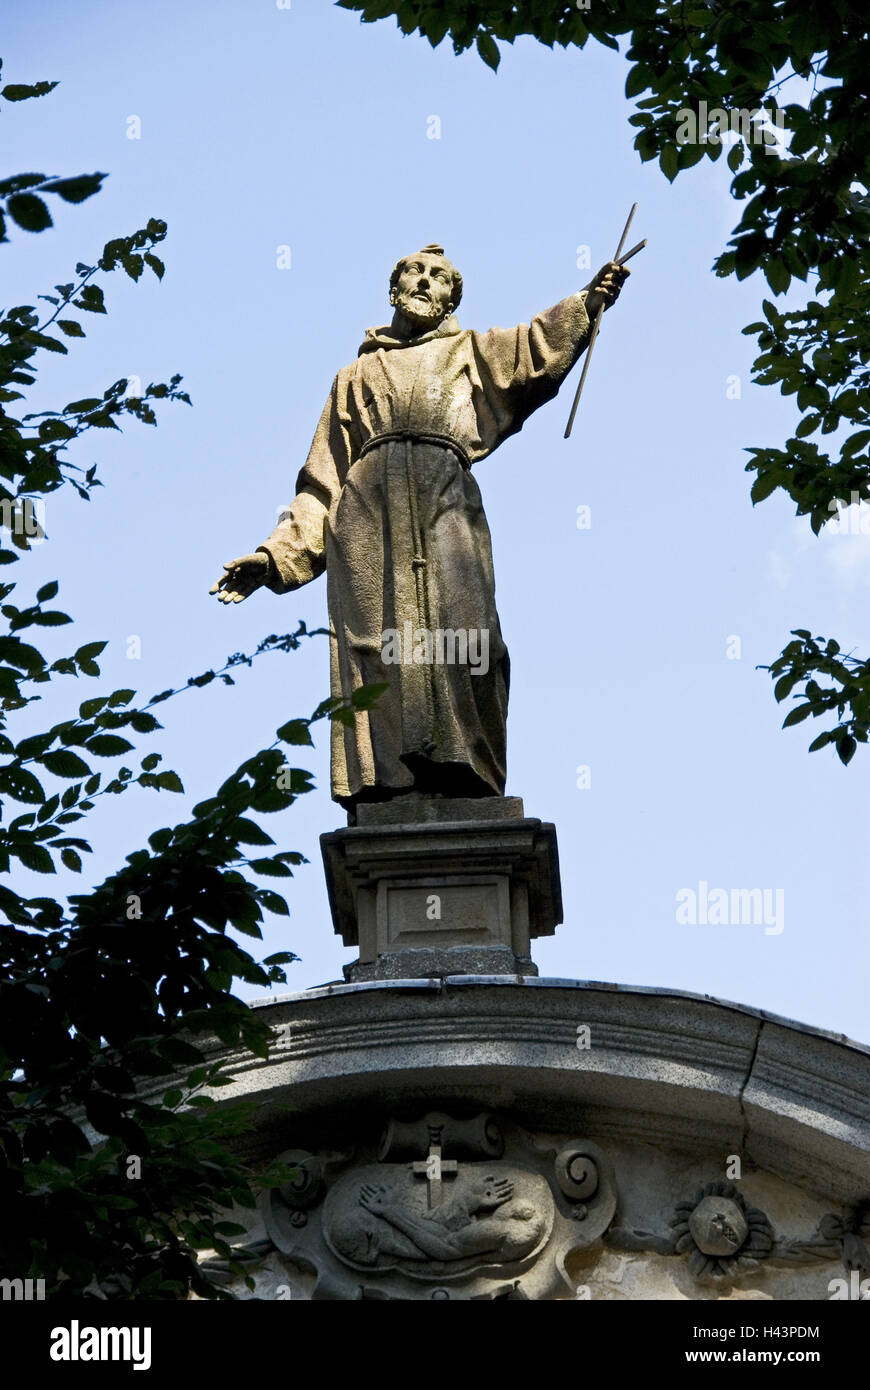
[384, 337]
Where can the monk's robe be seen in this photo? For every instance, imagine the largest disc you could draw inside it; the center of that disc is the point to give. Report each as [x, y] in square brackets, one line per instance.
[387, 504]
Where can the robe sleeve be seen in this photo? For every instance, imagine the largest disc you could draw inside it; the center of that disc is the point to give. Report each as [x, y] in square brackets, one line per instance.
[521, 368]
[297, 545]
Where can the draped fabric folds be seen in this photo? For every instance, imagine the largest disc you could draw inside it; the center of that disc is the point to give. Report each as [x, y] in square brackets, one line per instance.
[387, 504]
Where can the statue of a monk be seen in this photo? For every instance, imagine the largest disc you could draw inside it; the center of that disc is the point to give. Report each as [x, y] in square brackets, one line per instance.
[387, 504]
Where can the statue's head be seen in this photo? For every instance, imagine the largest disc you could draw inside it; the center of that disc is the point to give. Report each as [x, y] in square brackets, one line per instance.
[425, 287]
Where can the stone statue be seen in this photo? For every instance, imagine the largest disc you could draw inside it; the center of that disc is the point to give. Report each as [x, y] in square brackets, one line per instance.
[386, 503]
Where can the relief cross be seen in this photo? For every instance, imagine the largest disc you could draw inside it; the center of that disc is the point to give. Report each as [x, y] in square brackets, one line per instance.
[433, 1169]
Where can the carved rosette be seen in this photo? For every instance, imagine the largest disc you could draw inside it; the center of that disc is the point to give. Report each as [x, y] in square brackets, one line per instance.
[720, 1233]
[443, 1208]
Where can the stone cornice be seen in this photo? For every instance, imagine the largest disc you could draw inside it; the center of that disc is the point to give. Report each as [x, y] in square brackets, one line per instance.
[666, 1067]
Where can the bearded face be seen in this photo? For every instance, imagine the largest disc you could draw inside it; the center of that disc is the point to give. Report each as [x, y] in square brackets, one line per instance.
[424, 290]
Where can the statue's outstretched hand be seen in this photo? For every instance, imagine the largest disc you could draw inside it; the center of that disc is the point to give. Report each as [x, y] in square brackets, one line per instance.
[604, 289]
[241, 577]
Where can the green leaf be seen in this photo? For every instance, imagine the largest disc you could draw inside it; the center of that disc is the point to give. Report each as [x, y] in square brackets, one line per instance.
[786, 684]
[144, 723]
[63, 763]
[91, 298]
[77, 189]
[52, 619]
[295, 731]
[367, 696]
[822, 740]
[28, 211]
[855, 443]
[20, 783]
[89, 651]
[244, 923]
[669, 162]
[43, 340]
[273, 901]
[71, 860]
[35, 745]
[19, 181]
[47, 591]
[20, 654]
[18, 91]
[271, 868]
[155, 263]
[170, 782]
[812, 395]
[691, 155]
[71, 328]
[777, 276]
[103, 420]
[248, 833]
[108, 745]
[764, 485]
[488, 50]
[88, 708]
[797, 715]
[36, 858]
[47, 810]
[637, 81]
[846, 746]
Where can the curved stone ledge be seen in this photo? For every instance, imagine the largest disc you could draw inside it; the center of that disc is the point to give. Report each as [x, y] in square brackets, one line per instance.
[668, 1068]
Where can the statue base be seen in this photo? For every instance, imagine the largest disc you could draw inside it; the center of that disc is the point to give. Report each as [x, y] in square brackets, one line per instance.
[438, 886]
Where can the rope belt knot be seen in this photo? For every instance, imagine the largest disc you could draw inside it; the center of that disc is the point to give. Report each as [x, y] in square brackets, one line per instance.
[416, 437]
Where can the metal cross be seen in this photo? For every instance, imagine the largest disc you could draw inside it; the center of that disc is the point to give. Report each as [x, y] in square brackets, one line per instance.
[620, 260]
[433, 1169]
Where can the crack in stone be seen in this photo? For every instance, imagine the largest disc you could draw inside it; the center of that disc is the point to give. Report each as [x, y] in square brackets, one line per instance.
[746, 1080]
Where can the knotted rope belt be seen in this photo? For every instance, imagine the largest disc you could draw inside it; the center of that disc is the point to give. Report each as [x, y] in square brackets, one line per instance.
[415, 437]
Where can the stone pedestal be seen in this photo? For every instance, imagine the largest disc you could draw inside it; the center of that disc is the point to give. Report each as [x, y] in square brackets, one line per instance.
[437, 886]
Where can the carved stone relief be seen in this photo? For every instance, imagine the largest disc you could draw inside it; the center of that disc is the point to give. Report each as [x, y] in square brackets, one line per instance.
[446, 1208]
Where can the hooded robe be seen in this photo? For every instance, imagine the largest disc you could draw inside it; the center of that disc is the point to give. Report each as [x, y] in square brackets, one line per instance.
[386, 503]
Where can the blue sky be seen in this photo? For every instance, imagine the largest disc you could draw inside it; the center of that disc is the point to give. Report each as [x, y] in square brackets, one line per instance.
[263, 128]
